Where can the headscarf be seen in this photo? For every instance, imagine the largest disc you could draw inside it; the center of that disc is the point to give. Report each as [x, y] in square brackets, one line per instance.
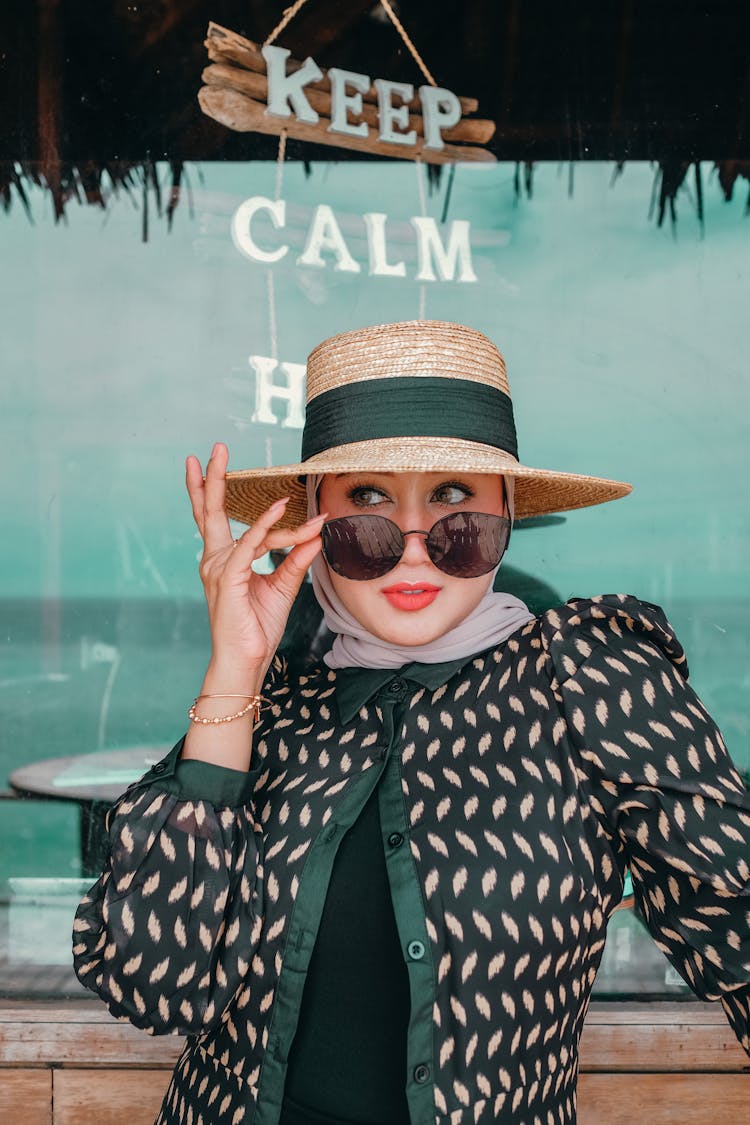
[491, 621]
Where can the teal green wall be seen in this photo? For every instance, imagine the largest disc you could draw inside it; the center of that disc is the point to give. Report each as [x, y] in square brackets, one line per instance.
[627, 350]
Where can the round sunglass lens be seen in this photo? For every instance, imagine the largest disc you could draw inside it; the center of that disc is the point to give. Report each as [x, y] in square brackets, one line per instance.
[468, 544]
[362, 547]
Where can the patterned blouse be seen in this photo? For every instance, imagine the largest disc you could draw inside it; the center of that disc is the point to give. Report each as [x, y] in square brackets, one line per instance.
[514, 789]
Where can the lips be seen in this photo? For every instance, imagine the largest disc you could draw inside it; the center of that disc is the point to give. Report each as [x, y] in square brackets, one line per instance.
[411, 596]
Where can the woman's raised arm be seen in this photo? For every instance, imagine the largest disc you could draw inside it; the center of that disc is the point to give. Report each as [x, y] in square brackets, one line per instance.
[166, 935]
[247, 611]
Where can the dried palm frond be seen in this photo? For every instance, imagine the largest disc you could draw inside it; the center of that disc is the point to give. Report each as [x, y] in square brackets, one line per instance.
[93, 182]
[97, 183]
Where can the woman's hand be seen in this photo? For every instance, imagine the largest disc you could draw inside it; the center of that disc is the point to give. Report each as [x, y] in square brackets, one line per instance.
[247, 611]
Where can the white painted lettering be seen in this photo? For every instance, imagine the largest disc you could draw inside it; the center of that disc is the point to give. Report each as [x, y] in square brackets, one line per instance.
[241, 235]
[266, 391]
[390, 115]
[430, 249]
[343, 103]
[285, 90]
[441, 110]
[443, 253]
[325, 234]
[379, 265]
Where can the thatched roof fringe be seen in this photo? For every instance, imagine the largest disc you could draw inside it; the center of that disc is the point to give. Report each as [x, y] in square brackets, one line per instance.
[92, 183]
[97, 183]
[729, 171]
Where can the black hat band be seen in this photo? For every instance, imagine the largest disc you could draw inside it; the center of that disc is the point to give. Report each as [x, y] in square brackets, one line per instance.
[409, 407]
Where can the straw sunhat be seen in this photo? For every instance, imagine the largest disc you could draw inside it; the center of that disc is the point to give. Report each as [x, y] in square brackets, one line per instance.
[419, 396]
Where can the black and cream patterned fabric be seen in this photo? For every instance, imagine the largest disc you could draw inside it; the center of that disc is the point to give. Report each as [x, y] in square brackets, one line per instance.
[514, 789]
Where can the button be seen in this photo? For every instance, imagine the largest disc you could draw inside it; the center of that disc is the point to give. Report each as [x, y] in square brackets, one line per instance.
[159, 767]
[395, 687]
[395, 839]
[421, 1074]
[415, 949]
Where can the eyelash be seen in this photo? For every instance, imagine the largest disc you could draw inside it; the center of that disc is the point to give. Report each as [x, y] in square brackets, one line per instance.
[354, 493]
[460, 485]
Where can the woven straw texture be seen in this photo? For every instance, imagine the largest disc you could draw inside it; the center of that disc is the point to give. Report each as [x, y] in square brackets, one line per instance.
[430, 348]
[412, 348]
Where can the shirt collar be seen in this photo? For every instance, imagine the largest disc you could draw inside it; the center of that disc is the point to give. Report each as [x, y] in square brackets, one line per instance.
[355, 686]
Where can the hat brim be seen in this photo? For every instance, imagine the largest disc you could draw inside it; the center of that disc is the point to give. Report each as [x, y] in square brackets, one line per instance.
[538, 491]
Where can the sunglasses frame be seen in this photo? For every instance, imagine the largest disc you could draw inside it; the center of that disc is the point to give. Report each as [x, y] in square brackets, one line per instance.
[503, 524]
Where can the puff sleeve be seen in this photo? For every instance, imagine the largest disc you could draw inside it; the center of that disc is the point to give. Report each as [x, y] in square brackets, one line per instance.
[664, 786]
[166, 934]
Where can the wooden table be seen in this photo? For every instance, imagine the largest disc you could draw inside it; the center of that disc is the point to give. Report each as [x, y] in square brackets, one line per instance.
[93, 782]
[660, 1063]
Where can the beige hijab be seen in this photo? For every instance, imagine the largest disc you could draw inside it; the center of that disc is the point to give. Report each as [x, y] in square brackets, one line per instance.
[491, 622]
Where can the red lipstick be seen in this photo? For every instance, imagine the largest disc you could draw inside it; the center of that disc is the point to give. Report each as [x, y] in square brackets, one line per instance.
[411, 595]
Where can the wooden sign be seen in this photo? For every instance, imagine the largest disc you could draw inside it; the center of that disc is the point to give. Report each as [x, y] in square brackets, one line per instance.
[263, 90]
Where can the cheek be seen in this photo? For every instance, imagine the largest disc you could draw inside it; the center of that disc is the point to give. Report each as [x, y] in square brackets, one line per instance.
[467, 593]
[356, 596]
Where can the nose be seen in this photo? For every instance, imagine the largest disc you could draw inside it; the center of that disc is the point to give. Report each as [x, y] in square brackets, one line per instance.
[415, 550]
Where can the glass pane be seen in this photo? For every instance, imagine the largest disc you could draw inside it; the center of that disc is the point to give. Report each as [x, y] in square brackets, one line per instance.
[626, 347]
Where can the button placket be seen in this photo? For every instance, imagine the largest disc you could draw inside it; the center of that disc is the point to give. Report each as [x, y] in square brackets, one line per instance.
[410, 918]
[389, 727]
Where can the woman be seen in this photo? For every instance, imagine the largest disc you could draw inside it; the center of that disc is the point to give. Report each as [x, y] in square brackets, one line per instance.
[378, 893]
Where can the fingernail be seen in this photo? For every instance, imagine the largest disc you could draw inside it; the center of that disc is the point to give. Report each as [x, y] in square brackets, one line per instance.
[314, 519]
[278, 503]
[213, 450]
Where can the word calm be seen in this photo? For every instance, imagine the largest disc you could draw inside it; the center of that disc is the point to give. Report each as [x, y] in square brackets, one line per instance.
[438, 257]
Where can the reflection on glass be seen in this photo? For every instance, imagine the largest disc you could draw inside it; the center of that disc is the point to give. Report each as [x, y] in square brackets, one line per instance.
[123, 357]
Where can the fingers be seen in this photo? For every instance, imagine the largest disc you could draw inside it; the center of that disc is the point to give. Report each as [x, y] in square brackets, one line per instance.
[305, 542]
[194, 483]
[289, 575]
[208, 498]
[216, 531]
[254, 542]
[263, 536]
[208, 502]
[280, 538]
[211, 493]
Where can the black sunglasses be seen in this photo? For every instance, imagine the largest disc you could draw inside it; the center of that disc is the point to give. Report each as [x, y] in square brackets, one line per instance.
[463, 544]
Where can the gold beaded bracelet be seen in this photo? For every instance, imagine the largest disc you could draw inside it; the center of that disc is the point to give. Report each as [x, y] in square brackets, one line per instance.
[253, 704]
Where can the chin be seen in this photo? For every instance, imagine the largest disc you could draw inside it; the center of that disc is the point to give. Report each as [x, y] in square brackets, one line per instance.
[409, 633]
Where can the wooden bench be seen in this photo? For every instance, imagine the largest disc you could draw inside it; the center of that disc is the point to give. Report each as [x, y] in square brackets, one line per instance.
[660, 1063]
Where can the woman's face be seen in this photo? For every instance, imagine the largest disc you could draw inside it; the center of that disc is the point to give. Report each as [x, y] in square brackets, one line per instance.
[414, 603]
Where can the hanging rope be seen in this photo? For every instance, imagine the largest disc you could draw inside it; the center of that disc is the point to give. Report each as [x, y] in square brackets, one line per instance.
[272, 329]
[402, 32]
[272, 315]
[280, 162]
[289, 14]
[423, 208]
